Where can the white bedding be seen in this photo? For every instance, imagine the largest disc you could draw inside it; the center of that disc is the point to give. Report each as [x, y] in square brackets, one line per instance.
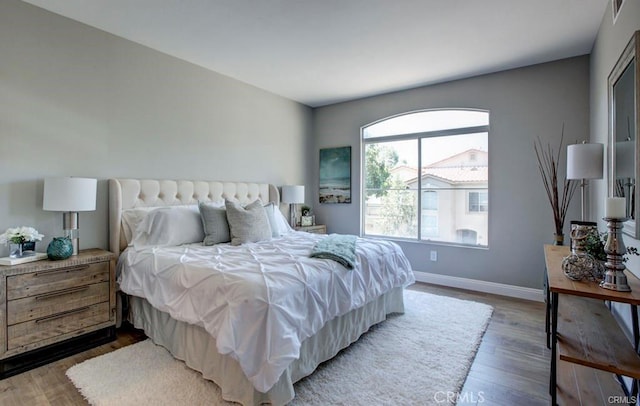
[261, 300]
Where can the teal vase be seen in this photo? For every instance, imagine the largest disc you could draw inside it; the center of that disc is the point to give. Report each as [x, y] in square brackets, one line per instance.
[60, 248]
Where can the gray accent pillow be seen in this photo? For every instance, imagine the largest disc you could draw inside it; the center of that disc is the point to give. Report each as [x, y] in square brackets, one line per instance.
[247, 224]
[214, 222]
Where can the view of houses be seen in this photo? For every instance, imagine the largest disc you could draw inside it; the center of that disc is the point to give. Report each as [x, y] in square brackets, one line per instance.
[454, 201]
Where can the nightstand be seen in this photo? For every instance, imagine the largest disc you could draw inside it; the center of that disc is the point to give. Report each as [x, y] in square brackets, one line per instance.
[317, 229]
[52, 309]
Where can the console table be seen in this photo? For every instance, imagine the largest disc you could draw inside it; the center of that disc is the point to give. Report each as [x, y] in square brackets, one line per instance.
[588, 347]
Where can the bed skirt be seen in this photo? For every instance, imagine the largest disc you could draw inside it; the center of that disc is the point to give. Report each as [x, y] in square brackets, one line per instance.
[193, 345]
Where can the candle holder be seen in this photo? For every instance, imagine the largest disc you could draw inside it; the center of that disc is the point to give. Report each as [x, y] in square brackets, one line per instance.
[614, 277]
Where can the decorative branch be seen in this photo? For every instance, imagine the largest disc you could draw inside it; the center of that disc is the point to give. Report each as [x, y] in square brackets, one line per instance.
[548, 161]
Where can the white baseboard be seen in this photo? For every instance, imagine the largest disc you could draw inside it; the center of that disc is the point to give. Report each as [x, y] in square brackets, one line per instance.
[481, 286]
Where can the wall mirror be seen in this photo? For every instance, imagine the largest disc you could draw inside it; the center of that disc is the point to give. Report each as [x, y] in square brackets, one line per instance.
[624, 114]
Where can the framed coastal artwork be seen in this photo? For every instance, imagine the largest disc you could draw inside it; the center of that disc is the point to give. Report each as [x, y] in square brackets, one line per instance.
[335, 175]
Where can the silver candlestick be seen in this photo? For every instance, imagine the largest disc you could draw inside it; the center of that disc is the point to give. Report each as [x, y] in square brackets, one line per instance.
[614, 277]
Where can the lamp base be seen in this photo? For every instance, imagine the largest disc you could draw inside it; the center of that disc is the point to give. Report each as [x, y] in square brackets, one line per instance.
[70, 223]
[293, 209]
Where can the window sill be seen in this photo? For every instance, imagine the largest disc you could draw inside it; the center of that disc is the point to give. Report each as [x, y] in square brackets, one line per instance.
[426, 242]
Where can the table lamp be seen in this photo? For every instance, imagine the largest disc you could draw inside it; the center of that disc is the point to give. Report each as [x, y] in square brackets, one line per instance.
[294, 195]
[70, 195]
[584, 161]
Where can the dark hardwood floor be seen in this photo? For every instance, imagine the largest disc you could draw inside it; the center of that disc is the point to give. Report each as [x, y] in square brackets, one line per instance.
[510, 368]
[512, 363]
[48, 384]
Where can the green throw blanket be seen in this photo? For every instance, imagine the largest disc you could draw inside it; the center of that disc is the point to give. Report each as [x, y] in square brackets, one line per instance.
[338, 247]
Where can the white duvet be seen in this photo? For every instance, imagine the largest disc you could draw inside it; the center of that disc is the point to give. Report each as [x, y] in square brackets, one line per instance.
[261, 300]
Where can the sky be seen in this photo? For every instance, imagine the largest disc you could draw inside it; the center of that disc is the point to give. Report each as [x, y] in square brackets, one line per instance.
[434, 148]
[438, 148]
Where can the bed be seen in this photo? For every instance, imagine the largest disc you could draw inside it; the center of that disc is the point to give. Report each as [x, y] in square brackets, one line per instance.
[256, 317]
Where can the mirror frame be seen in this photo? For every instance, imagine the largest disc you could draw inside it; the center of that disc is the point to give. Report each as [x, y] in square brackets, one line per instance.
[630, 53]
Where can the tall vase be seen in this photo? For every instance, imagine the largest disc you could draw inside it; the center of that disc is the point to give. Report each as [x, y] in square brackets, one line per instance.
[15, 250]
[559, 239]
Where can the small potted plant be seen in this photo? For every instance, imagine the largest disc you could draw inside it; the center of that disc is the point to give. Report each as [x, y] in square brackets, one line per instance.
[21, 240]
[594, 245]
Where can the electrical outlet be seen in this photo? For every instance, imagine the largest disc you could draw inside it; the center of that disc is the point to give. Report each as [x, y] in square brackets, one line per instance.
[433, 255]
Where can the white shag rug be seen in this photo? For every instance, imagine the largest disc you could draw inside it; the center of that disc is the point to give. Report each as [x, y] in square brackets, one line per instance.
[413, 358]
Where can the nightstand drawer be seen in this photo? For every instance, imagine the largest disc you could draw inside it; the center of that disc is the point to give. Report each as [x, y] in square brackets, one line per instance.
[58, 324]
[46, 304]
[47, 281]
[317, 229]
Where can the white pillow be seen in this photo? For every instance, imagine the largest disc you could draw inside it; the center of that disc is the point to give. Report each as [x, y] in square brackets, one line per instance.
[281, 222]
[270, 209]
[131, 219]
[169, 226]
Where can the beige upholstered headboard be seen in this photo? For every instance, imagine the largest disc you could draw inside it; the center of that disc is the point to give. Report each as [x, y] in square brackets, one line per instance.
[134, 193]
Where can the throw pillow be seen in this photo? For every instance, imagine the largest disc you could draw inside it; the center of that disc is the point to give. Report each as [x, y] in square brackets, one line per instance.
[215, 224]
[247, 224]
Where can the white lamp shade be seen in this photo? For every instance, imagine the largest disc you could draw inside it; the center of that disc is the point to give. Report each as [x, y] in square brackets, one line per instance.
[293, 194]
[584, 161]
[69, 194]
[625, 162]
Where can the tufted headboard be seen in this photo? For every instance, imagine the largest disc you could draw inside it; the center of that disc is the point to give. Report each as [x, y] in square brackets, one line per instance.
[134, 193]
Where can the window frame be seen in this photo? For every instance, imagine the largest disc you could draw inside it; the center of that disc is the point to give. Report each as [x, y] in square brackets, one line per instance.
[479, 204]
[419, 136]
[428, 192]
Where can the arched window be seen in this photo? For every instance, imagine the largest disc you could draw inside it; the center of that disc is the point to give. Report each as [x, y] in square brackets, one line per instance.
[425, 176]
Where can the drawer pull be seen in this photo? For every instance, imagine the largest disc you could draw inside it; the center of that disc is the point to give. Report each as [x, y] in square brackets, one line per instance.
[63, 314]
[62, 292]
[52, 271]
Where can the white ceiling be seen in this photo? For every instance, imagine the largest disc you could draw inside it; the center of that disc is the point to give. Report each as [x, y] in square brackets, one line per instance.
[320, 52]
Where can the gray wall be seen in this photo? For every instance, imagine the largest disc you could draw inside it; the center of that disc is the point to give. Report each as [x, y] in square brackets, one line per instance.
[524, 104]
[76, 101]
[610, 42]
